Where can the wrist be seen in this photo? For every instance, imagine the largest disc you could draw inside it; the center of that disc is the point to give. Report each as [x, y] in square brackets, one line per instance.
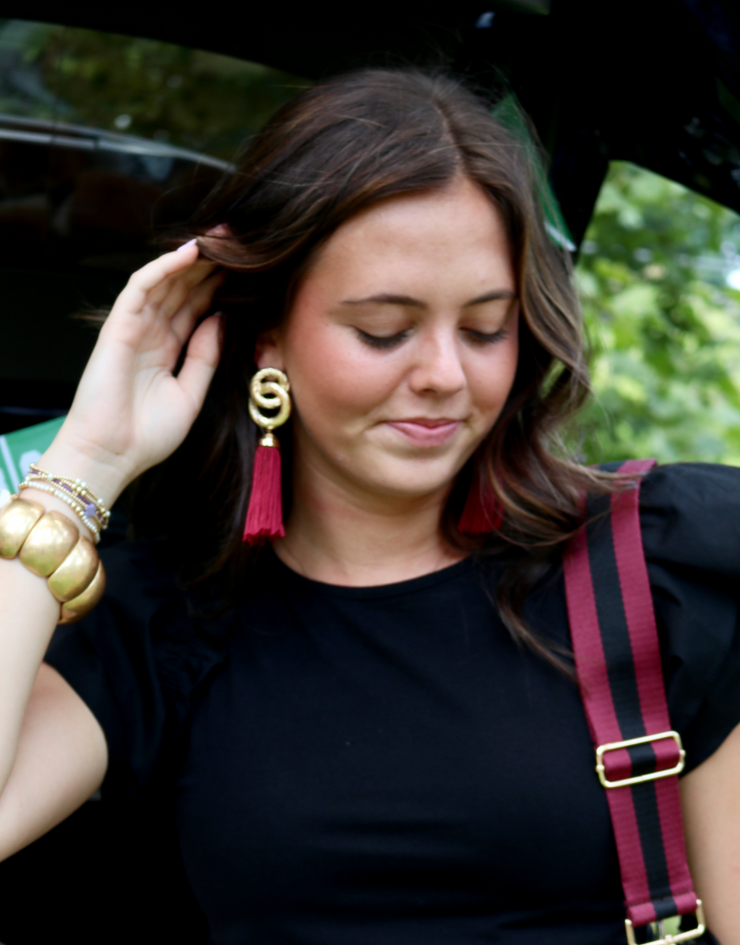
[105, 475]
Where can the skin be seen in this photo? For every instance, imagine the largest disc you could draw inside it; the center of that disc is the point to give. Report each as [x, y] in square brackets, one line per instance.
[401, 348]
[370, 477]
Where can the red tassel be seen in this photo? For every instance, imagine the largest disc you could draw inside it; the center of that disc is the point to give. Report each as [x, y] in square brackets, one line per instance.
[483, 512]
[265, 512]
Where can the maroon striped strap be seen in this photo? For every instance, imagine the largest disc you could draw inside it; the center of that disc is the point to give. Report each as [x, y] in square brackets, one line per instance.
[615, 641]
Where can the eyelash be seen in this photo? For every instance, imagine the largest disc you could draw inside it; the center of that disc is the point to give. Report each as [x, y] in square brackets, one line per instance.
[382, 343]
[482, 338]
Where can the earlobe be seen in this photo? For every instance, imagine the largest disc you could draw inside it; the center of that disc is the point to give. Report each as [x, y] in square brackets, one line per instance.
[267, 352]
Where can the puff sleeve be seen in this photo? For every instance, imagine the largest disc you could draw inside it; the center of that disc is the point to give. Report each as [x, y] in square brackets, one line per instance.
[690, 517]
[136, 661]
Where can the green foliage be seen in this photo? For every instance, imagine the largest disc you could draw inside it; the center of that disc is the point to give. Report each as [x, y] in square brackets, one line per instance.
[664, 326]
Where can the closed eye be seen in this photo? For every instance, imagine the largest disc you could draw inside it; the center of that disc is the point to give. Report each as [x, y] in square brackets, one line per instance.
[386, 342]
[485, 338]
[382, 342]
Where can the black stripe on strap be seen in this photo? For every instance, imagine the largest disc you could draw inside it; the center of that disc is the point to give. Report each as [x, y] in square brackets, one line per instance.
[625, 697]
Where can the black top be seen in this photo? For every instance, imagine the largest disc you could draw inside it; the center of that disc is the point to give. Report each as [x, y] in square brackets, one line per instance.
[384, 764]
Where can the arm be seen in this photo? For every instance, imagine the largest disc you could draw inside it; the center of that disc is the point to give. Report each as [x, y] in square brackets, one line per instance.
[710, 799]
[61, 760]
[130, 412]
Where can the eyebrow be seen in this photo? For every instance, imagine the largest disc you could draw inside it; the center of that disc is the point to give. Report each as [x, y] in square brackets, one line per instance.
[385, 298]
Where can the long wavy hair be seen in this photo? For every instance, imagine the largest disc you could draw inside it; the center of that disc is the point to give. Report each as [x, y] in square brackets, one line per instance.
[336, 148]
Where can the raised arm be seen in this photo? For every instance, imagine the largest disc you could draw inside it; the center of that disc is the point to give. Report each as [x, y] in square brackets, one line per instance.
[130, 412]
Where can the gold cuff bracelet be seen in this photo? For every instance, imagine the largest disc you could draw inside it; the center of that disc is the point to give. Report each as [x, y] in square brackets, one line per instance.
[50, 546]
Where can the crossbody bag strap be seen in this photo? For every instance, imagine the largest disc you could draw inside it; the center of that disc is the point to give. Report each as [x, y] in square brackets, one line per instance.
[638, 756]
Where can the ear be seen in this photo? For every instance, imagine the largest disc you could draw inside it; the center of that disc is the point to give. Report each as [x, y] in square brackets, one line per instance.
[267, 350]
[217, 236]
[221, 231]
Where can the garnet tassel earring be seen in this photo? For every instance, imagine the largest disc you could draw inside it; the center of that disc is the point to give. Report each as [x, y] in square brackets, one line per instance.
[269, 389]
[483, 512]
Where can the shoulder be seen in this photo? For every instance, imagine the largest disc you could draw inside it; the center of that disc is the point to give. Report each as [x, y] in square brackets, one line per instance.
[690, 517]
[139, 573]
[148, 607]
[144, 583]
[140, 583]
[690, 523]
[138, 657]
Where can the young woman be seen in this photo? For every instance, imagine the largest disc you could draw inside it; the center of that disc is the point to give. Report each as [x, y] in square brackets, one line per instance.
[356, 745]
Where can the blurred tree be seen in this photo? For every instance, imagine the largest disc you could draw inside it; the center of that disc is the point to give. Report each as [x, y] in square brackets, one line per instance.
[663, 321]
[187, 97]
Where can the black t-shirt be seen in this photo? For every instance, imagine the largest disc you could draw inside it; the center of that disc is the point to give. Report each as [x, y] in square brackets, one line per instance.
[357, 766]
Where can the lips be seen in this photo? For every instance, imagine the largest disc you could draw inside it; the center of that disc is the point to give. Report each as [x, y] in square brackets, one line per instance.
[426, 431]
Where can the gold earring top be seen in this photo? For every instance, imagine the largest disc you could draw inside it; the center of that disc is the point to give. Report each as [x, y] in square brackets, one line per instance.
[269, 389]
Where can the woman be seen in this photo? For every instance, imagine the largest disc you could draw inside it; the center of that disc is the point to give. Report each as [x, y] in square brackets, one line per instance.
[355, 747]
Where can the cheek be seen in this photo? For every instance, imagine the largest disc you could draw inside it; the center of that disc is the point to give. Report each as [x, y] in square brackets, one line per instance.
[491, 382]
[332, 380]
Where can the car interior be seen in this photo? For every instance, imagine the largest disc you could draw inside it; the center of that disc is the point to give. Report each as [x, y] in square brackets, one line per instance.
[115, 123]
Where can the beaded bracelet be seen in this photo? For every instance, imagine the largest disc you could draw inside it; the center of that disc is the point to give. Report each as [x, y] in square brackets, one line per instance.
[49, 545]
[77, 494]
[76, 506]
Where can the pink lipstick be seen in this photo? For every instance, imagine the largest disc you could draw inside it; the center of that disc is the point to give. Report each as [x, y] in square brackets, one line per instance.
[422, 431]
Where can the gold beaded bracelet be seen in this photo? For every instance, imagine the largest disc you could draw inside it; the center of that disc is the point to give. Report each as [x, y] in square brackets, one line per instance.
[88, 507]
[50, 546]
[76, 506]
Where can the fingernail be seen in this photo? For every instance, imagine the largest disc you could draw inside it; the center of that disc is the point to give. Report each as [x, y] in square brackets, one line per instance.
[189, 243]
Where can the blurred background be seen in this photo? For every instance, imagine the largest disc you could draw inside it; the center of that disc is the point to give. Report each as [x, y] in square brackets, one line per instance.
[659, 278]
[106, 143]
[114, 126]
[108, 140]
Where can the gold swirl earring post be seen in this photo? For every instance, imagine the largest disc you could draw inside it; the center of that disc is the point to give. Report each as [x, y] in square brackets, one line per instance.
[269, 389]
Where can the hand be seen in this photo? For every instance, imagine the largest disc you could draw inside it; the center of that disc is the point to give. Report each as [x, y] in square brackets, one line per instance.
[130, 412]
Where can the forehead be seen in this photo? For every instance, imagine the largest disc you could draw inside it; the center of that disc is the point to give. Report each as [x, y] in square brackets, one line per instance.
[454, 233]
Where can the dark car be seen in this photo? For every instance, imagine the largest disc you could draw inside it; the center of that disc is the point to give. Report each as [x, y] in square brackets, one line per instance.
[115, 124]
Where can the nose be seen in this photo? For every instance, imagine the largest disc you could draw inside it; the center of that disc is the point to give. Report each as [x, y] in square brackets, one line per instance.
[437, 368]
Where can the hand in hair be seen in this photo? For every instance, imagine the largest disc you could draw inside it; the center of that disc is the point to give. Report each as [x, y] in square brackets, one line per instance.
[131, 409]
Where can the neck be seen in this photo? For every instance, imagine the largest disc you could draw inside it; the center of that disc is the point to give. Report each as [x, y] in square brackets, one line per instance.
[353, 539]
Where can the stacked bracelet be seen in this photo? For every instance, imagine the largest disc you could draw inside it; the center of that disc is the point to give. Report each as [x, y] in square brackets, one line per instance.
[79, 497]
[50, 545]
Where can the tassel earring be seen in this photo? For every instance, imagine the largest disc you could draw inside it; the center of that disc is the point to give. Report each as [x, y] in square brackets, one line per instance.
[269, 389]
[483, 512]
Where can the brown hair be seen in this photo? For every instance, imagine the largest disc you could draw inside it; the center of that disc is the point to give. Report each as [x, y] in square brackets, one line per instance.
[336, 148]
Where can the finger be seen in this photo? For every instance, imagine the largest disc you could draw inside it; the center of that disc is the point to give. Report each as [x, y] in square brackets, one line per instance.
[196, 304]
[133, 298]
[154, 336]
[150, 275]
[166, 298]
[170, 295]
[204, 352]
[190, 276]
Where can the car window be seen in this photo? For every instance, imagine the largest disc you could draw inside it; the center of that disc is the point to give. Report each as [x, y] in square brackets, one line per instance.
[106, 143]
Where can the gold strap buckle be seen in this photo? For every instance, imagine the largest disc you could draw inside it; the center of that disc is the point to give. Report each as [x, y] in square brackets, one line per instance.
[672, 939]
[639, 778]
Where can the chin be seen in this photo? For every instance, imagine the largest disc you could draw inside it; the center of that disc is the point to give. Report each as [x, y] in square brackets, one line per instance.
[412, 483]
